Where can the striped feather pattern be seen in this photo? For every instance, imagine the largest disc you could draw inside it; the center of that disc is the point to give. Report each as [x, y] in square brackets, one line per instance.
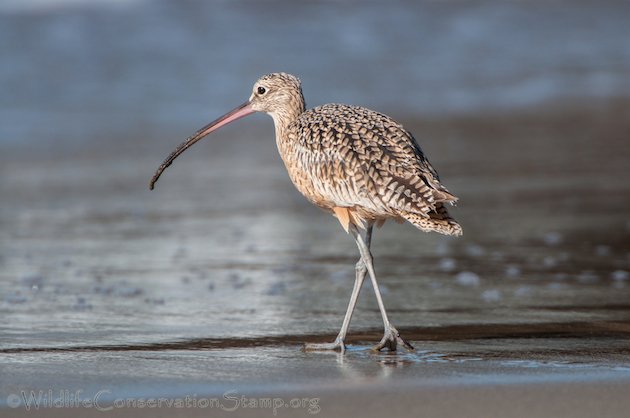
[356, 159]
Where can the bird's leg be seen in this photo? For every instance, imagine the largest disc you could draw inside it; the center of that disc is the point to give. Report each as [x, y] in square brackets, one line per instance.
[391, 337]
[339, 343]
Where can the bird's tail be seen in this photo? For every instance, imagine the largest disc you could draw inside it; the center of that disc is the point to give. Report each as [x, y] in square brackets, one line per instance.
[437, 220]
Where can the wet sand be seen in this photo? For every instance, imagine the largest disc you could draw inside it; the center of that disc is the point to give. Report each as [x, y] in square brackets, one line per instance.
[210, 283]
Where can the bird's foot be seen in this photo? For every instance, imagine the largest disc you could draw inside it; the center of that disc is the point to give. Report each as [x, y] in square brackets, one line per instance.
[391, 340]
[336, 345]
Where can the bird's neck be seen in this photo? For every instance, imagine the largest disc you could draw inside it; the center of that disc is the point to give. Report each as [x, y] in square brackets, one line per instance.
[285, 116]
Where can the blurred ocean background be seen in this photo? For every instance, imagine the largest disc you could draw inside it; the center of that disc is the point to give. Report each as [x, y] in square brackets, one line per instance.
[214, 280]
[83, 70]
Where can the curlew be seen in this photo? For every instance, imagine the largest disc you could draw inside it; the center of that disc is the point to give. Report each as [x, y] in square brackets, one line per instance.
[357, 164]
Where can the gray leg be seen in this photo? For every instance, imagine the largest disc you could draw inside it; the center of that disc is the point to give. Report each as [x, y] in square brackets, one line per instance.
[338, 344]
[361, 271]
[391, 337]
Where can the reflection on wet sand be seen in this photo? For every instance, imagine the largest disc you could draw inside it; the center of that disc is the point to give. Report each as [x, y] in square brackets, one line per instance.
[508, 341]
[219, 279]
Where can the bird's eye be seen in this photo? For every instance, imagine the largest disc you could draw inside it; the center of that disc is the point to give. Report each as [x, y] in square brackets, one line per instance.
[262, 90]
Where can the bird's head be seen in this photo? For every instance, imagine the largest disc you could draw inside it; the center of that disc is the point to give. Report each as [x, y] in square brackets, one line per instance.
[279, 95]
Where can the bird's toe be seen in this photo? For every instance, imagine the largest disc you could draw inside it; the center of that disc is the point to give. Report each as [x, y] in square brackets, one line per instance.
[391, 340]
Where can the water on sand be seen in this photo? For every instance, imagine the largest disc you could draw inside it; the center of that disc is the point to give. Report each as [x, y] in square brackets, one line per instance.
[214, 280]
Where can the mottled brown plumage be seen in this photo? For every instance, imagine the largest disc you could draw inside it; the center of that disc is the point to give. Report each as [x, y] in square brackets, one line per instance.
[358, 164]
[341, 156]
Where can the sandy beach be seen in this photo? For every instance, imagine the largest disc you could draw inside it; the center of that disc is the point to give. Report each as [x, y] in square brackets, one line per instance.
[208, 286]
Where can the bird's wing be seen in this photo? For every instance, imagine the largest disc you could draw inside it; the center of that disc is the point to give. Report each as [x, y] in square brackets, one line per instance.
[358, 157]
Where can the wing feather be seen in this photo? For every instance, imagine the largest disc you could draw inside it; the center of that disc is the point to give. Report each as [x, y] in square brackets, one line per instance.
[358, 157]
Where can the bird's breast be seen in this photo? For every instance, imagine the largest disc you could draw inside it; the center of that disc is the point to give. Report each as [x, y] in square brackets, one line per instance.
[317, 167]
[311, 167]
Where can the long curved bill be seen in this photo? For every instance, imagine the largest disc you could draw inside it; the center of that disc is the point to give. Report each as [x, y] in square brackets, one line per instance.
[241, 111]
